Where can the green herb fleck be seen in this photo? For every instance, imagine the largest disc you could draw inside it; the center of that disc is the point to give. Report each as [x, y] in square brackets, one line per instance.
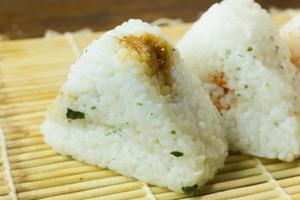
[239, 94]
[276, 124]
[190, 189]
[177, 153]
[71, 114]
[139, 104]
[227, 52]
[238, 69]
[173, 132]
[93, 107]
[249, 49]
[276, 49]
[151, 114]
[246, 86]
[281, 67]
[127, 123]
[268, 85]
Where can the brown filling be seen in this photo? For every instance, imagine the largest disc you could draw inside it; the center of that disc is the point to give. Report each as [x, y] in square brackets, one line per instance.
[220, 81]
[156, 53]
[295, 60]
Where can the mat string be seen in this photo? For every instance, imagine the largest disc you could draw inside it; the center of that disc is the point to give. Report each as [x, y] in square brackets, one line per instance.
[6, 167]
[149, 194]
[74, 46]
[272, 180]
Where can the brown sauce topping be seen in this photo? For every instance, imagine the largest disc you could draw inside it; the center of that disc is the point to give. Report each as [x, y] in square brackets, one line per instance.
[156, 53]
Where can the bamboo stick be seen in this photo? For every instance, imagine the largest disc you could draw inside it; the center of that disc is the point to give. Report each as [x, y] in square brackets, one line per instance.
[228, 194]
[2, 180]
[29, 95]
[73, 170]
[265, 161]
[210, 188]
[21, 128]
[15, 52]
[38, 107]
[28, 89]
[45, 168]
[235, 175]
[286, 173]
[282, 165]
[11, 98]
[158, 190]
[10, 83]
[24, 116]
[59, 181]
[32, 155]
[39, 162]
[260, 196]
[21, 105]
[121, 196]
[237, 158]
[16, 126]
[75, 187]
[3, 190]
[141, 198]
[98, 192]
[295, 196]
[21, 135]
[293, 189]
[26, 149]
[238, 166]
[170, 196]
[2, 176]
[38, 77]
[279, 198]
[31, 119]
[289, 181]
[62, 65]
[25, 142]
[5, 197]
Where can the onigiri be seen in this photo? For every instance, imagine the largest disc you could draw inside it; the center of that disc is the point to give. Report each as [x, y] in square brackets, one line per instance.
[130, 105]
[237, 53]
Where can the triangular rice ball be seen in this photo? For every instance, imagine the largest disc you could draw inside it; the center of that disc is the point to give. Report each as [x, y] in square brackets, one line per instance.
[236, 51]
[131, 106]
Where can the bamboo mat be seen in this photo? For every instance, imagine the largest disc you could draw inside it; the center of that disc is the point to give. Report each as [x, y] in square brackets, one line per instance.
[31, 73]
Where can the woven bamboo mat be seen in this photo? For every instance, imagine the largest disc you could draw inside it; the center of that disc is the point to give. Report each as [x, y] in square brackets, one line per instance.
[31, 73]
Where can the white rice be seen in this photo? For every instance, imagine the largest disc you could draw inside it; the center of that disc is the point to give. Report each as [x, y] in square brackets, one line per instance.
[236, 51]
[129, 126]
